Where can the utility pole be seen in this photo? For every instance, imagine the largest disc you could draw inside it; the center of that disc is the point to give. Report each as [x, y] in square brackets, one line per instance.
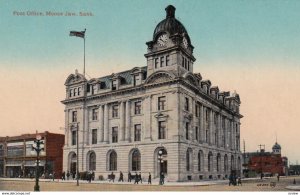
[260, 154]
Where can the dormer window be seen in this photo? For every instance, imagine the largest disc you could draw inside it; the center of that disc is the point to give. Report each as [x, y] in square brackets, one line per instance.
[114, 85]
[136, 79]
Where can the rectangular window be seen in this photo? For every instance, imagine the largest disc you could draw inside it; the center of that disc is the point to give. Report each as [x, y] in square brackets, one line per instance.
[162, 61]
[182, 63]
[187, 131]
[15, 151]
[197, 110]
[186, 105]
[134, 80]
[95, 114]
[188, 65]
[137, 132]
[115, 111]
[207, 119]
[74, 116]
[94, 136]
[114, 85]
[161, 102]
[161, 130]
[137, 107]
[79, 90]
[197, 133]
[167, 60]
[74, 138]
[114, 134]
[156, 62]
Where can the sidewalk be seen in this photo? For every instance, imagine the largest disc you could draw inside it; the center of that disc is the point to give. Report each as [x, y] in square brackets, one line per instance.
[293, 187]
[154, 181]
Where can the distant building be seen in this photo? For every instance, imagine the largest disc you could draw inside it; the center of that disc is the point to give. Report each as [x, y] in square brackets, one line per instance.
[18, 159]
[268, 163]
[294, 169]
[126, 119]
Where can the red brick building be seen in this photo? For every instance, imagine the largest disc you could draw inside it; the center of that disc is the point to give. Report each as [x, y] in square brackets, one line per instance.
[18, 159]
[268, 163]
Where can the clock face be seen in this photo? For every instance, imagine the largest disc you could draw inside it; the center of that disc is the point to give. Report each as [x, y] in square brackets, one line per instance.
[162, 40]
[185, 42]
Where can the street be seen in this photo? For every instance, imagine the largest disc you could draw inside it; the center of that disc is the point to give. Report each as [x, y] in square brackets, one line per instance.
[269, 184]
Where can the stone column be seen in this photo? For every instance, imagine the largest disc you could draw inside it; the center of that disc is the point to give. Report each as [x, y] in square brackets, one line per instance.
[106, 126]
[219, 130]
[122, 122]
[67, 128]
[86, 127]
[146, 105]
[211, 129]
[128, 124]
[202, 125]
[101, 123]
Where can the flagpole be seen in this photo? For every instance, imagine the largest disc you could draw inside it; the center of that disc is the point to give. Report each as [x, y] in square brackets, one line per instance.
[84, 53]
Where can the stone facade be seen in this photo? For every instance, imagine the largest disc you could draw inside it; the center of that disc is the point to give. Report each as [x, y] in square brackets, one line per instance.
[124, 119]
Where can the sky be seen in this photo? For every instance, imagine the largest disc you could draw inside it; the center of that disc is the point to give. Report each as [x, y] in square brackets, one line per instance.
[249, 46]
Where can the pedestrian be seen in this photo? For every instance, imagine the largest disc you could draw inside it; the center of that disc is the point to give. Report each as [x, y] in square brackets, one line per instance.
[136, 178]
[73, 175]
[149, 178]
[90, 177]
[63, 177]
[112, 177]
[140, 177]
[93, 175]
[239, 181]
[53, 175]
[230, 179]
[162, 178]
[121, 177]
[68, 175]
[278, 177]
[129, 176]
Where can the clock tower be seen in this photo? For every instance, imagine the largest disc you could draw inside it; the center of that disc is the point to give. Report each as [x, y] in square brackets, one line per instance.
[170, 48]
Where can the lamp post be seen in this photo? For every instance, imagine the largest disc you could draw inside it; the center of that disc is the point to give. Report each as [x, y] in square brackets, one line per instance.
[38, 146]
[160, 160]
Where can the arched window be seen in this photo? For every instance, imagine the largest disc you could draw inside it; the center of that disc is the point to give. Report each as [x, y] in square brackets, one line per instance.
[239, 164]
[136, 161]
[209, 160]
[225, 163]
[199, 161]
[92, 161]
[232, 163]
[188, 160]
[218, 162]
[113, 161]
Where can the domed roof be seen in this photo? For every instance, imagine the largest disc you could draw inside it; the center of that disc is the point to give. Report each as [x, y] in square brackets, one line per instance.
[170, 24]
[276, 146]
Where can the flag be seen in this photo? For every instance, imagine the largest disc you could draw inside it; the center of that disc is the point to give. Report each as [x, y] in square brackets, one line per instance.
[77, 33]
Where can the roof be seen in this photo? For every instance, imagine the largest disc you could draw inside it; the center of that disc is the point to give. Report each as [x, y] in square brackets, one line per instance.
[170, 24]
[126, 77]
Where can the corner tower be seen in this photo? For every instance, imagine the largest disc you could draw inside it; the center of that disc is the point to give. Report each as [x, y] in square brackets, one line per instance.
[170, 48]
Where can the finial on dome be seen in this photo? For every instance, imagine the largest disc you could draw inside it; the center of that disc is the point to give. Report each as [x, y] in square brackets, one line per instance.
[170, 11]
[76, 72]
